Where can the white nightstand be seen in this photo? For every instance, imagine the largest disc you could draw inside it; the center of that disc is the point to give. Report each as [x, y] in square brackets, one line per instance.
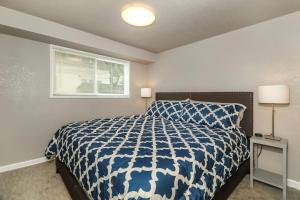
[277, 180]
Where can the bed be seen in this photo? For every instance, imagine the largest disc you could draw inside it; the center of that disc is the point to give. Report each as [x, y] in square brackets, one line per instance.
[100, 159]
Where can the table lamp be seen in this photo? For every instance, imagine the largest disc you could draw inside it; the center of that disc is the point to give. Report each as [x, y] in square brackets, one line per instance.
[146, 94]
[273, 94]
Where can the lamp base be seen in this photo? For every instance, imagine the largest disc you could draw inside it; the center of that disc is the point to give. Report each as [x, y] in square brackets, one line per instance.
[271, 137]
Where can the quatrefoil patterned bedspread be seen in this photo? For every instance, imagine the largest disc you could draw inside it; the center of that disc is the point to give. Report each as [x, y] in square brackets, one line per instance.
[142, 157]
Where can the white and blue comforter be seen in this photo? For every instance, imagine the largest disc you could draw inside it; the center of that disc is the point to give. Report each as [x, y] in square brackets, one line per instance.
[141, 157]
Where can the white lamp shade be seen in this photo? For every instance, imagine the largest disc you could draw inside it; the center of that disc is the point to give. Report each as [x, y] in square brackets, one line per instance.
[276, 94]
[146, 92]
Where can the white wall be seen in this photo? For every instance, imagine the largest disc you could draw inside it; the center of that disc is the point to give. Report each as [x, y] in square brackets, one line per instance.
[28, 117]
[266, 53]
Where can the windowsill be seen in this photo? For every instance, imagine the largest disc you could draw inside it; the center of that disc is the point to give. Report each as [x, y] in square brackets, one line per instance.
[89, 96]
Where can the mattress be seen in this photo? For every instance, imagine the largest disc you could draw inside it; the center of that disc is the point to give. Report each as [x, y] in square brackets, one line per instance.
[142, 157]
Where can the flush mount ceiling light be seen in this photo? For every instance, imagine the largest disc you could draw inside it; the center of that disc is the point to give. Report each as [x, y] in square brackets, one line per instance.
[138, 15]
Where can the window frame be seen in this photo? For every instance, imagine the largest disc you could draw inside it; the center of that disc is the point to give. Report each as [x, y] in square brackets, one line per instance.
[55, 48]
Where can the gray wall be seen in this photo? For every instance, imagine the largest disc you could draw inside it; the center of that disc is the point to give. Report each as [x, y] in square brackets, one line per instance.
[267, 53]
[28, 117]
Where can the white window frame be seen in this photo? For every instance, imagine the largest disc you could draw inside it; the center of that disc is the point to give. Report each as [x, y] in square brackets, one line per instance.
[54, 48]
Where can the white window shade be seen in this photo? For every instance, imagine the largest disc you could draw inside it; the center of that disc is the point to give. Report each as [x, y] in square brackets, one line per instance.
[73, 74]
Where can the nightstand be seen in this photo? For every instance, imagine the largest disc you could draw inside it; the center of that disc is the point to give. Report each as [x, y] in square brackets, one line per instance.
[277, 180]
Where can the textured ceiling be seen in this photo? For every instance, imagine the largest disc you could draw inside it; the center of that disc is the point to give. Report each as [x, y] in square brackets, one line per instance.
[179, 22]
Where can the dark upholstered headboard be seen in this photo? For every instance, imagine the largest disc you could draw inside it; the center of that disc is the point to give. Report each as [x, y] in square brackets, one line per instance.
[245, 98]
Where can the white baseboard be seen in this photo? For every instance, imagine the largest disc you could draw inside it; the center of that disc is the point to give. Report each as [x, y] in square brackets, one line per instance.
[294, 184]
[6, 168]
[19, 165]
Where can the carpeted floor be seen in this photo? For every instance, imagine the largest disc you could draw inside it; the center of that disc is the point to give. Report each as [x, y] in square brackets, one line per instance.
[40, 182]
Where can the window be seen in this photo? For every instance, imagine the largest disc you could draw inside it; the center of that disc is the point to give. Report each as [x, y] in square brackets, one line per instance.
[85, 75]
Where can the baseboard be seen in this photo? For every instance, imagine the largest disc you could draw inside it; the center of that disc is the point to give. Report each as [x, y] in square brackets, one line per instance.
[294, 184]
[19, 165]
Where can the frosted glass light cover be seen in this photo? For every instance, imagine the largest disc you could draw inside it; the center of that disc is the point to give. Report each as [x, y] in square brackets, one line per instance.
[146, 92]
[138, 15]
[276, 94]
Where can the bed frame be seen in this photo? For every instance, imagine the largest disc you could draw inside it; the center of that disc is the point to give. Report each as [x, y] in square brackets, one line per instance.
[245, 98]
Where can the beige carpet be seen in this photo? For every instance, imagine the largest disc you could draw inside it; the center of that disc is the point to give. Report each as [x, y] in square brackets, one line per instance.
[40, 182]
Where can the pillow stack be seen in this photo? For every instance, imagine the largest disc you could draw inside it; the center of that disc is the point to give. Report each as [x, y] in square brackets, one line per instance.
[215, 115]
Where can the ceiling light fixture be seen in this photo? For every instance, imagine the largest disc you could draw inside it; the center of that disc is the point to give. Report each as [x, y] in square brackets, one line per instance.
[138, 15]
